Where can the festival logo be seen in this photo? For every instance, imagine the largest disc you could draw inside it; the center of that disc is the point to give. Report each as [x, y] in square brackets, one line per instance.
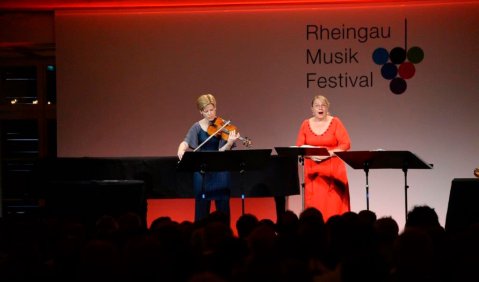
[399, 64]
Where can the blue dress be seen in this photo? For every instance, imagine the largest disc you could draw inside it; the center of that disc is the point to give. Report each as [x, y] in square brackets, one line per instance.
[210, 185]
[214, 185]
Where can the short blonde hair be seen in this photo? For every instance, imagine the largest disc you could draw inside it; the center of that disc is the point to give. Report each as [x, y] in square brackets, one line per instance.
[321, 98]
[204, 100]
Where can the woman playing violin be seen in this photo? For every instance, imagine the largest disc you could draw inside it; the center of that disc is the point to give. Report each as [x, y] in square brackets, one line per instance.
[215, 185]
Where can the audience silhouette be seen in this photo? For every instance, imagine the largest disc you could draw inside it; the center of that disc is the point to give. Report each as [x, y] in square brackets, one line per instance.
[348, 247]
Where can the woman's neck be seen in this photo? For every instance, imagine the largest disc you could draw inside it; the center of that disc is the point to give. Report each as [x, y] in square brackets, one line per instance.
[325, 118]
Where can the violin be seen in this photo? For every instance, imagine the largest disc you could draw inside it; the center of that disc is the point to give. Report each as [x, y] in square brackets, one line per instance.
[226, 128]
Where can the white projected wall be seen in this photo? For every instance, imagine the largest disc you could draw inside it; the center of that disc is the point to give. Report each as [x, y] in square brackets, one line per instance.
[128, 81]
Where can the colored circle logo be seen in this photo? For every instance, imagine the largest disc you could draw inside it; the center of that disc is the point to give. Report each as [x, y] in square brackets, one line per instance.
[398, 65]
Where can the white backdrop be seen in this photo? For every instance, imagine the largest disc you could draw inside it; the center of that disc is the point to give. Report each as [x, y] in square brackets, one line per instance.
[128, 81]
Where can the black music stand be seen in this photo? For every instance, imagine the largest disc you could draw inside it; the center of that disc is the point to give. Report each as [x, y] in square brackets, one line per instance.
[231, 160]
[381, 160]
[300, 153]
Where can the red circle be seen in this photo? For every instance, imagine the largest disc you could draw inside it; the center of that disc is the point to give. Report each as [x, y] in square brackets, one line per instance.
[406, 70]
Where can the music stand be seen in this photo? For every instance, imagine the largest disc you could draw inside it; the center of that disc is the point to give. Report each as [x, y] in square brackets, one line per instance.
[231, 160]
[381, 160]
[300, 153]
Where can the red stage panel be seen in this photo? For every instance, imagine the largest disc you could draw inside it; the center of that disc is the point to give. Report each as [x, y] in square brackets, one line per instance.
[183, 209]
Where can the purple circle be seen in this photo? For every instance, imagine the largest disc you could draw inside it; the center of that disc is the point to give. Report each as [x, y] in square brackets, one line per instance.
[398, 86]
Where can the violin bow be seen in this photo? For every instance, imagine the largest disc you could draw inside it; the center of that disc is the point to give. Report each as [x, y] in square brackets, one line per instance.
[211, 136]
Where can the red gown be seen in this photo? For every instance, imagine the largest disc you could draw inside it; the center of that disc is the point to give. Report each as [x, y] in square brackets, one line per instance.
[326, 183]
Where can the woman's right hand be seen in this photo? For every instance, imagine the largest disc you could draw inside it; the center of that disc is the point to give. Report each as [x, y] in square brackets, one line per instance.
[180, 154]
[182, 149]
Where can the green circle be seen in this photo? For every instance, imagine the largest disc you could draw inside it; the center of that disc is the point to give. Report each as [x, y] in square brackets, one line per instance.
[415, 55]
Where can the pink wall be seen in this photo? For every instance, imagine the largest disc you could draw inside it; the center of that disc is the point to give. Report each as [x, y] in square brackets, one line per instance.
[128, 80]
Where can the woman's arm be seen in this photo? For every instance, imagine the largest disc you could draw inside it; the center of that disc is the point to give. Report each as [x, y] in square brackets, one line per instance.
[182, 149]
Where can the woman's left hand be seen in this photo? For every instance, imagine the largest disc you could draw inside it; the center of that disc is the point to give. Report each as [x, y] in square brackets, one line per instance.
[233, 136]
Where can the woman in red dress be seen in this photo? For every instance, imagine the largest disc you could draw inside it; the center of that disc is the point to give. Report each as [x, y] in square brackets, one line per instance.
[326, 180]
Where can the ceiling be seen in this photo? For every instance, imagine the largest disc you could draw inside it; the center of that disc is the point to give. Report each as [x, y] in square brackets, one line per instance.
[95, 4]
[21, 21]
[13, 44]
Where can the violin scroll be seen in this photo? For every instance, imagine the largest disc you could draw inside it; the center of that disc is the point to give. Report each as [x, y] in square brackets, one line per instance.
[246, 141]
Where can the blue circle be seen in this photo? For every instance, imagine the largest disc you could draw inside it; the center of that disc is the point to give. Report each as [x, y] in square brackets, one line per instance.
[398, 86]
[389, 71]
[380, 56]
